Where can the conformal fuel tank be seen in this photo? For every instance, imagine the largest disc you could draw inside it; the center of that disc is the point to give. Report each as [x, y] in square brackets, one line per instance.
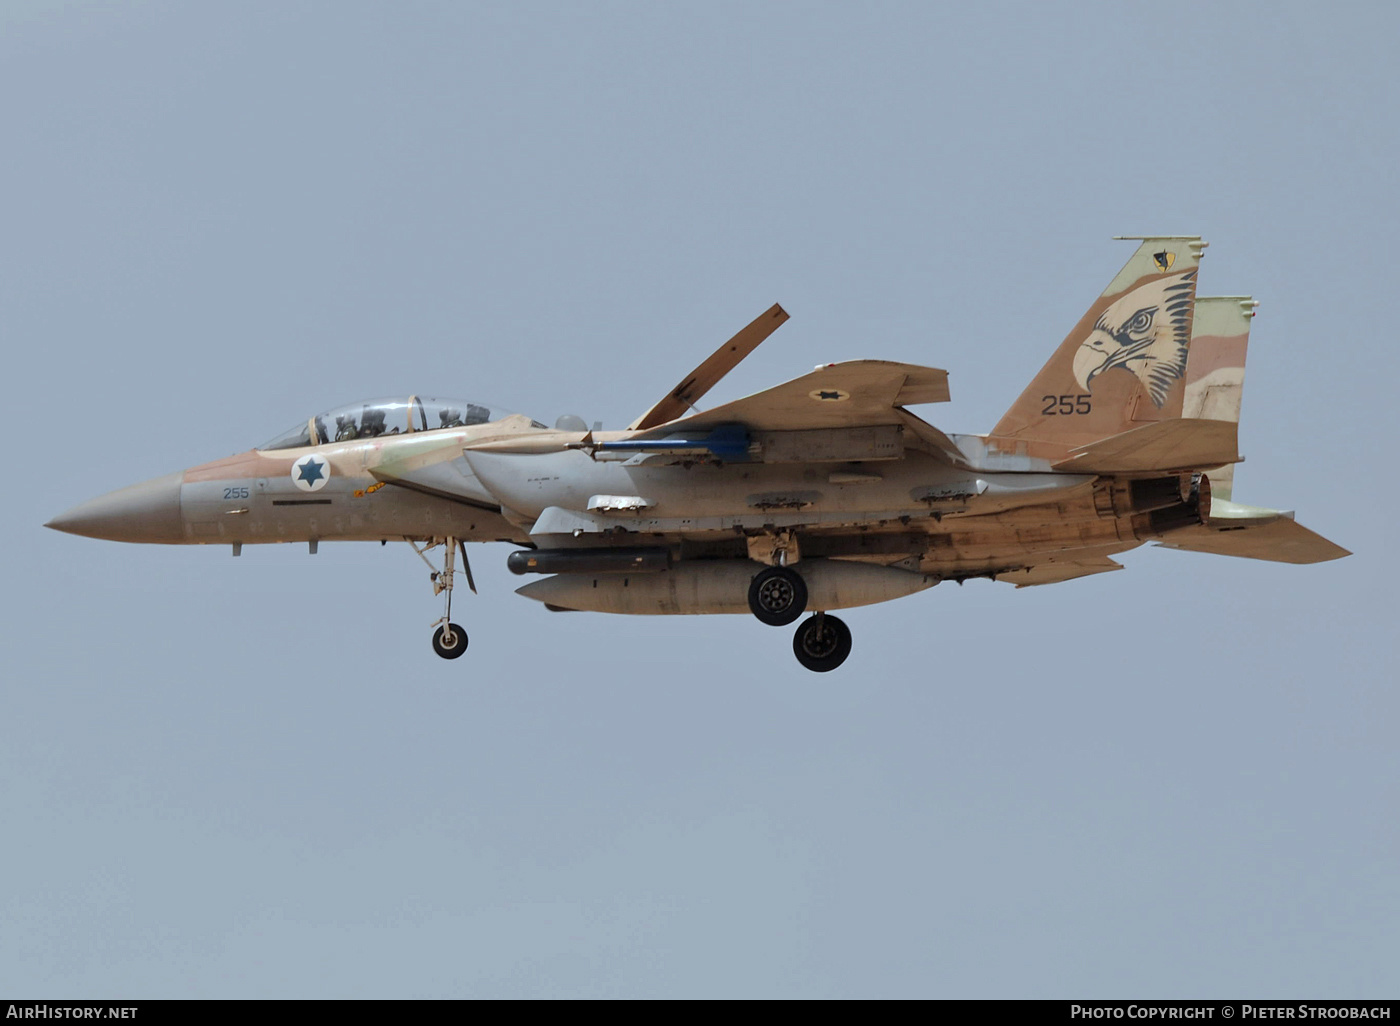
[722, 586]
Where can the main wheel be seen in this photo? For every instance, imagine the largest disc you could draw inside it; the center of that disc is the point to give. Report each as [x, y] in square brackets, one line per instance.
[822, 643]
[449, 641]
[777, 596]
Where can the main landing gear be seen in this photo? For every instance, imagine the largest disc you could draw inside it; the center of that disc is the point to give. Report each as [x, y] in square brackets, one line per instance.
[778, 597]
[449, 640]
[822, 643]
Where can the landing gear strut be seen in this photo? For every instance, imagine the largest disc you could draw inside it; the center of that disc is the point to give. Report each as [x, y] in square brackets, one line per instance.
[449, 640]
[777, 596]
[822, 643]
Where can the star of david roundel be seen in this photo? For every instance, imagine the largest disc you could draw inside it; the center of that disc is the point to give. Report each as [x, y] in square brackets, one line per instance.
[829, 395]
[311, 472]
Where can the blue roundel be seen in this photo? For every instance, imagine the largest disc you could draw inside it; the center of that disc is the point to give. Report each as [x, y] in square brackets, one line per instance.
[311, 472]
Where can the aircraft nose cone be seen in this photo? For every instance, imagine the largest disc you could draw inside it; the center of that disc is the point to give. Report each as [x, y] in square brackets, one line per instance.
[145, 512]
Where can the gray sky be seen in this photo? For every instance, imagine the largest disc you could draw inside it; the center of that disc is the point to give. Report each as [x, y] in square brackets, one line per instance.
[253, 778]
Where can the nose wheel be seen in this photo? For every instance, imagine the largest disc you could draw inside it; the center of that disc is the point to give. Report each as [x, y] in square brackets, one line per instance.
[822, 643]
[449, 640]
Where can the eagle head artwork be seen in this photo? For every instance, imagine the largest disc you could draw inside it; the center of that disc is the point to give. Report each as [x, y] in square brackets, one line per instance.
[1147, 332]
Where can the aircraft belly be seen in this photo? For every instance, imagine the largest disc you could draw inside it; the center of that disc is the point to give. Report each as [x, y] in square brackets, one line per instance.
[1006, 540]
[963, 545]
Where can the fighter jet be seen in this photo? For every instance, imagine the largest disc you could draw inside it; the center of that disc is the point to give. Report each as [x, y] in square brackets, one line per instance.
[822, 493]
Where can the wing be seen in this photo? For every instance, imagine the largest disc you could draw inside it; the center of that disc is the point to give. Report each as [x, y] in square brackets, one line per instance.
[855, 394]
[707, 375]
[860, 393]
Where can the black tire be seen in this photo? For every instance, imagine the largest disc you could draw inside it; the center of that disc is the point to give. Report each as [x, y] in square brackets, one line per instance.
[822, 643]
[449, 641]
[777, 596]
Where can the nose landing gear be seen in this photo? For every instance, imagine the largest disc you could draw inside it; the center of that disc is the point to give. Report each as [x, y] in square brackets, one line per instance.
[449, 640]
[822, 643]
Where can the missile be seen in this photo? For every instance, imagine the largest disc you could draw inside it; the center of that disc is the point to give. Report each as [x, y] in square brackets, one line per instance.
[728, 442]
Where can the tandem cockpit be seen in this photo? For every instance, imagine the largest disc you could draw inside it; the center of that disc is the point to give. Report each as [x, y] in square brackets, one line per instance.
[376, 417]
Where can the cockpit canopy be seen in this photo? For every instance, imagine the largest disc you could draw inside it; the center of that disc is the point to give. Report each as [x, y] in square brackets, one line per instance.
[376, 417]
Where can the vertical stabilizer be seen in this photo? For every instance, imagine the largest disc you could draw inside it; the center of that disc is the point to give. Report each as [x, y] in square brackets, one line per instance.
[1215, 369]
[1124, 364]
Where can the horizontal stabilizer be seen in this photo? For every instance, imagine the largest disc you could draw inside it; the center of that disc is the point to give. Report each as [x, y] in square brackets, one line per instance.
[1280, 540]
[1167, 445]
